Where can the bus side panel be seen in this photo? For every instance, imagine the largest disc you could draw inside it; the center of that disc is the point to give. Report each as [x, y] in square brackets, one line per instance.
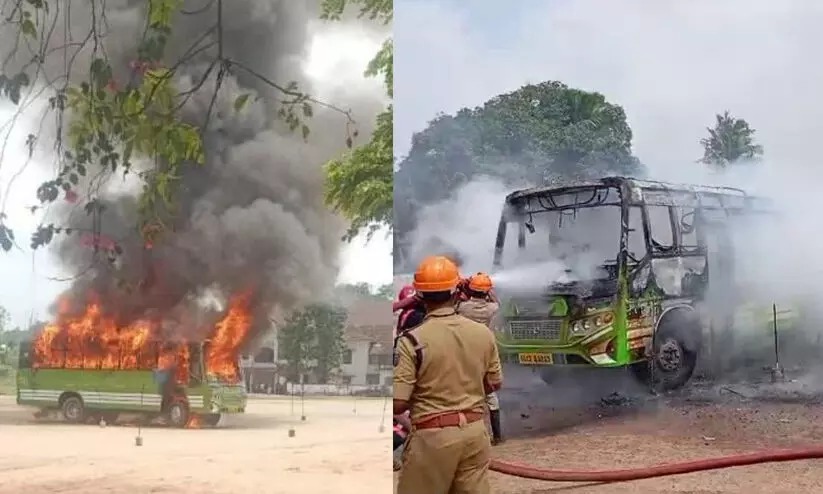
[29, 393]
[99, 389]
[124, 390]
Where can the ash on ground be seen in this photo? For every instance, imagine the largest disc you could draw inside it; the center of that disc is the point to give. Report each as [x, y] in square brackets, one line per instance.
[531, 405]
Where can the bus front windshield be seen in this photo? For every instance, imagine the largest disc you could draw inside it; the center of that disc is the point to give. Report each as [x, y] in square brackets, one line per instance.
[582, 240]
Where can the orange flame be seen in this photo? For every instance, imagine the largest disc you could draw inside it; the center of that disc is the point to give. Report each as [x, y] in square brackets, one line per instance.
[228, 337]
[195, 422]
[94, 340]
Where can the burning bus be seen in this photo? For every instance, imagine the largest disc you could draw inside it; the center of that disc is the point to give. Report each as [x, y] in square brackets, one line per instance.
[89, 366]
[648, 277]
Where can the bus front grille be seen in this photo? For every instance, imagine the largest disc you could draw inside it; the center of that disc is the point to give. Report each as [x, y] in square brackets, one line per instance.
[535, 329]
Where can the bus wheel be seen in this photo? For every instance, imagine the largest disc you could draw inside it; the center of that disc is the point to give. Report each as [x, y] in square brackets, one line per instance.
[676, 345]
[211, 419]
[73, 410]
[177, 412]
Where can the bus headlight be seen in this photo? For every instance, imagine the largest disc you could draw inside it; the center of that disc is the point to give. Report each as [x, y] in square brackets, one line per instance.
[587, 324]
[576, 327]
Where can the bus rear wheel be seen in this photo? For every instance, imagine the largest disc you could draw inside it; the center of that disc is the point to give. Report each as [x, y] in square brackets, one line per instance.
[676, 345]
[177, 412]
[73, 410]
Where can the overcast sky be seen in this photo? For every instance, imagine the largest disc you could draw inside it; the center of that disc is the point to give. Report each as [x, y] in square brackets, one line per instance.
[338, 57]
[671, 64]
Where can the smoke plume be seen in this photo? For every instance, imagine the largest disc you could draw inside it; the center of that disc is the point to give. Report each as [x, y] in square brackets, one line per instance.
[252, 219]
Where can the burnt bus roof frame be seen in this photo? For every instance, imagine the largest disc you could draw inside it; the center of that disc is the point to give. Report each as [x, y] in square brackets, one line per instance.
[631, 192]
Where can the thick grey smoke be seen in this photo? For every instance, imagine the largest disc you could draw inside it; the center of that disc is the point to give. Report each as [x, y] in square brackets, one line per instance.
[253, 217]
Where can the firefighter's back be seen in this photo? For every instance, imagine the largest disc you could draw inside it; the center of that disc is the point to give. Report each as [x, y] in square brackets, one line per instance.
[458, 353]
[447, 406]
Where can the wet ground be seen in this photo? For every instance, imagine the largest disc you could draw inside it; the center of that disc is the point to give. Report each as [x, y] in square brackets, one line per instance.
[605, 420]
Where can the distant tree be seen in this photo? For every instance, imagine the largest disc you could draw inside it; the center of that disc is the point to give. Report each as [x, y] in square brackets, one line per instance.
[5, 319]
[364, 290]
[386, 291]
[312, 339]
[359, 289]
[539, 134]
[731, 140]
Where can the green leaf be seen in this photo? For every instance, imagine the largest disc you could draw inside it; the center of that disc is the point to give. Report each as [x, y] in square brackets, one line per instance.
[6, 238]
[240, 102]
[73, 178]
[101, 72]
[305, 131]
[307, 110]
[28, 28]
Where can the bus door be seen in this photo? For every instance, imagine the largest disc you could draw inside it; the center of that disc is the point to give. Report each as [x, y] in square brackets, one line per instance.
[25, 378]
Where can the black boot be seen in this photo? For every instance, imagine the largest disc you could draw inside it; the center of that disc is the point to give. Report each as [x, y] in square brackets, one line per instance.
[494, 419]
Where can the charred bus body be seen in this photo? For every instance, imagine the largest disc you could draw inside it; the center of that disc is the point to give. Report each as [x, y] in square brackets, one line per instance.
[634, 285]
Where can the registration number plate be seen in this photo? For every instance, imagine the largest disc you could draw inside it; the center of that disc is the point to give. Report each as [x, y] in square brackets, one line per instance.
[535, 358]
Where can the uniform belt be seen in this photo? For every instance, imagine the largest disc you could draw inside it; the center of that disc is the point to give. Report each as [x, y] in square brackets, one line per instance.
[449, 419]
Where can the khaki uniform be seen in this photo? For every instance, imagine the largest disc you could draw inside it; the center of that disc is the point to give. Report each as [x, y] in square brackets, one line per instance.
[478, 309]
[482, 311]
[440, 368]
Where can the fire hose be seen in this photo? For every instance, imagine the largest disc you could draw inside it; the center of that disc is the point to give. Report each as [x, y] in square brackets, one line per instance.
[769, 456]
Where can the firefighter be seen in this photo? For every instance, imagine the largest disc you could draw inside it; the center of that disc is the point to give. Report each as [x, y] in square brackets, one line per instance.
[411, 314]
[411, 309]
[481, 306]
[444, 368]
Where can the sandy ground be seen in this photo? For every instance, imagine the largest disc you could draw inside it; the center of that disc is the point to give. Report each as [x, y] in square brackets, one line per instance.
[338, 449]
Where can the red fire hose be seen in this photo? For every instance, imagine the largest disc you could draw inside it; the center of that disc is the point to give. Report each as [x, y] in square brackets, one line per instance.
[771, 456]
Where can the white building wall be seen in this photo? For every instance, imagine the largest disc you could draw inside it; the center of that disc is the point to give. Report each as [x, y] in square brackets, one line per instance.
[358, 370]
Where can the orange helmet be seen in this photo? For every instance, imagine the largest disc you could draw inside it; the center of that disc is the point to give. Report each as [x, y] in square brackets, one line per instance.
[480, 282]
[436, 274]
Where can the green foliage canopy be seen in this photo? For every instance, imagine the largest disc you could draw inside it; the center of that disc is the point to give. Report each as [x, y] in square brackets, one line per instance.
[312, 339]
[539, 134]
[731, 140]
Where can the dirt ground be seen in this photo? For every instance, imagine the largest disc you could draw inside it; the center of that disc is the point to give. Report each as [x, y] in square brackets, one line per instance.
[608, 422]
[338, 449]
[570, 428]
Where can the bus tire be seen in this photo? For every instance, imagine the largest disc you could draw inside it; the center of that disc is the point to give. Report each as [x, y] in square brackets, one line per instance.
[676, 347]
[211, 419]
[177, 412]
[72, 408]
